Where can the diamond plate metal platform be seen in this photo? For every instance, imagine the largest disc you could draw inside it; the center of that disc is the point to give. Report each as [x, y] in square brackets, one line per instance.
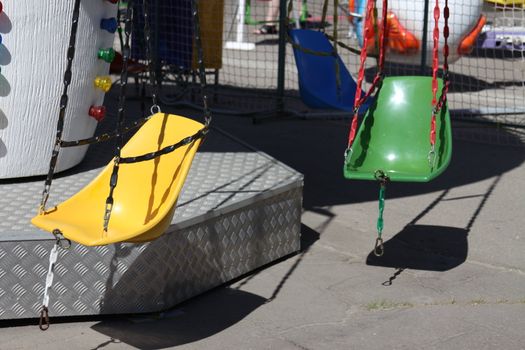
[239, 209]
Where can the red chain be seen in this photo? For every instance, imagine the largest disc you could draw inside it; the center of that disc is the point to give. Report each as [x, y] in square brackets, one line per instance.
[361, 74]
[367, 33]
[382, 38]
[446, 51]
[435, 67]
[437, 105]
[435, 54]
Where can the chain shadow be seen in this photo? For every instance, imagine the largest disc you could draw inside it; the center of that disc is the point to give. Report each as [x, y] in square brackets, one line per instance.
[308, 237]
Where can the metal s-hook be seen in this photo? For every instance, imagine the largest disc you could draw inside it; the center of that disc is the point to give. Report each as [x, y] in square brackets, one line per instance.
[432, 157]
[61, 241]
[348, 155]
[43, 323]
[379, 248]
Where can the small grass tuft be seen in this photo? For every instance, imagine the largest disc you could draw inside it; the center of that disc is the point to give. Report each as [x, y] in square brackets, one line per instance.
[478, 302]
[387, 305]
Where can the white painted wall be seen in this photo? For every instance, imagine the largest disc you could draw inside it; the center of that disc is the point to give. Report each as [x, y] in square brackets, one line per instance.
[35, 35]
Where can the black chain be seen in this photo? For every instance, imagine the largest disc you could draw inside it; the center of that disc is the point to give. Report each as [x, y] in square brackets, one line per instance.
[207, 112]
[148, 156]
[200, 62]
[104, 137]
[168, 149]
[116, 133]
[149, 53]
[202, 77]
[323, 16]
[121, 129]
[128, 24]
[323, 53]
[328, 36]
[63, 105]
[337, 66]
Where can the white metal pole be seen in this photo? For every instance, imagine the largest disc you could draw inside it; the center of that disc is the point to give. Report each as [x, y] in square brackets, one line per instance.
[238, 44]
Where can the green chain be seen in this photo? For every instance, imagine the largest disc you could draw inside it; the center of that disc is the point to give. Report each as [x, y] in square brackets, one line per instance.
[380, 221]
[379, 248]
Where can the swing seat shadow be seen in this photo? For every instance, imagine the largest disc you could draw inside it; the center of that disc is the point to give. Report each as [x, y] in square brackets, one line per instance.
[187, 324]
[424, 247]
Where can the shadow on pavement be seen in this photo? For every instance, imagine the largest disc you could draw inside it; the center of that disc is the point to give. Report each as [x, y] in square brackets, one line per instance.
[424, 247]
[194, 321]
[308, 238]
[428, 247]
[200, 317]
[315, 148]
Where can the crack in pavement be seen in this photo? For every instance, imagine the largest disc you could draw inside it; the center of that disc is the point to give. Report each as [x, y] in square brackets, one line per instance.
[496, 267]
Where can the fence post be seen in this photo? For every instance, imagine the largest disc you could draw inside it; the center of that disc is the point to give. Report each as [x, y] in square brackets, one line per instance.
[281, 59]
[424, 39]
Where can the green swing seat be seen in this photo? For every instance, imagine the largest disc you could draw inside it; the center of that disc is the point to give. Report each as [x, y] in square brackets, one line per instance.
[394, 134]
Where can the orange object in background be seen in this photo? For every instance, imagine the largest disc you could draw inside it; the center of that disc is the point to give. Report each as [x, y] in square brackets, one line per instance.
[467, 43]
[351, 9]
[399, 39]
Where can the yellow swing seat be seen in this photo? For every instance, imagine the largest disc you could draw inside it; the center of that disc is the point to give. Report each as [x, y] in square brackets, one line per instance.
[146, 194]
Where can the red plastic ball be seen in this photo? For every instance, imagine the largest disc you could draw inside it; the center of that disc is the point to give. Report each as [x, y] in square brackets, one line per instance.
[97, 112]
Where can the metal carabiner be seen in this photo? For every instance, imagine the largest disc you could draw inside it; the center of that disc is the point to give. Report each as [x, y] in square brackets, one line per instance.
[379, 248]
[432, 157]
[61, 241]
[43, 323]
[380, 176]
[155, 109]
[348, 154]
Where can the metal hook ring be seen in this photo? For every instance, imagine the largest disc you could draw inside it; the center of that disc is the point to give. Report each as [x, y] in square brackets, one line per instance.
[43, 323]
[432, 156]
[61, 241]
[380, 176]
[348, 154]
[155, 109]
[379, 248]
